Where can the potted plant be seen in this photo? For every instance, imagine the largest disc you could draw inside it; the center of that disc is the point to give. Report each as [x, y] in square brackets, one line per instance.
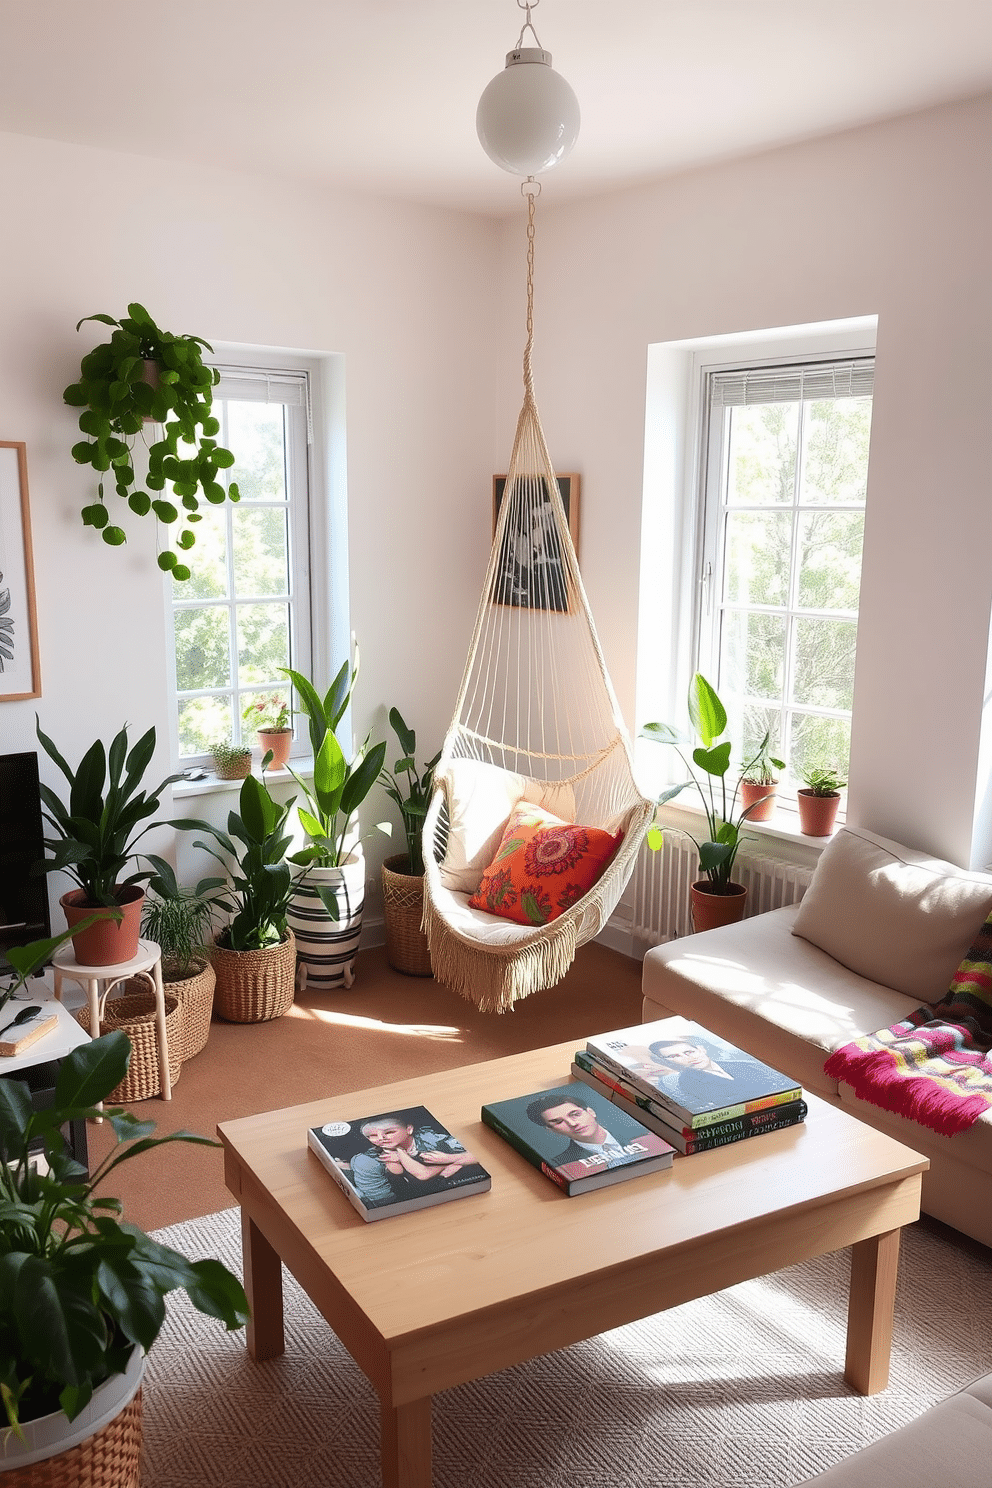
[179, 921]
[143, 373]
[96, 840]
[254, 957]
[403, 874]
[81, 1292]
[329, 898]
[269, 716]
[758, 784]
[818, 800]
[716, 899]
[231, 761]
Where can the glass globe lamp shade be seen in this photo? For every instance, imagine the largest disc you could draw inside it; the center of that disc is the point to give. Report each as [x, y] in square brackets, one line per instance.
[528, 116]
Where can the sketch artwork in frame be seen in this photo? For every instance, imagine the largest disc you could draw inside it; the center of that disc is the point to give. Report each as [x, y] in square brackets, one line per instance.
[20, 674]
[531, 572]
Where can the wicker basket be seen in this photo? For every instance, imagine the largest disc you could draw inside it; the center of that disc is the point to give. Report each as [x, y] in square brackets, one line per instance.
[108, 1459]
[134, 1014]
[196, 998]
[403, 904]
[254, 986]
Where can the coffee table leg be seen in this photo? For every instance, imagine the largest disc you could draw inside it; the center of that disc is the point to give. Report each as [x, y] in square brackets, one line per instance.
[874, 1266]
[406, 1444]
[263, 1287]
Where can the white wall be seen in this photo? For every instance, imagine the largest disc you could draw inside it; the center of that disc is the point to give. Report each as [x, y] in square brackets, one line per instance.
[893, 220]
[400, 292]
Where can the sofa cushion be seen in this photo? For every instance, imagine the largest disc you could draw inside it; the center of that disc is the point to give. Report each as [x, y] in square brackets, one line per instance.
[949, 1444]
[769, 992]
[891, 914]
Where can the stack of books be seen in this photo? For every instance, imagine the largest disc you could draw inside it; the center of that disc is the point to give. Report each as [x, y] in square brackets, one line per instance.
[695, 1090]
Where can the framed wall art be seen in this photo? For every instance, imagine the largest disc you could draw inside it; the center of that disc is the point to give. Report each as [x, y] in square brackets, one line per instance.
[531, 572]
[20, 672]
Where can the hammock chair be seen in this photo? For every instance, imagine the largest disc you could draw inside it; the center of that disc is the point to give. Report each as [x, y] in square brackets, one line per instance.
[536, 720]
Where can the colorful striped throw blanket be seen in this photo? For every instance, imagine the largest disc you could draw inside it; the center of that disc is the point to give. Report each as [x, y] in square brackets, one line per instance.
[936, 1065]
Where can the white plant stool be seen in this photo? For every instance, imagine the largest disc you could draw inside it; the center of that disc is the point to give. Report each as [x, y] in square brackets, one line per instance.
[99, 981]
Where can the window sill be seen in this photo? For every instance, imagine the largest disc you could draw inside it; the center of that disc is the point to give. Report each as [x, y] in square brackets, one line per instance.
[782, 831]
[213, 785]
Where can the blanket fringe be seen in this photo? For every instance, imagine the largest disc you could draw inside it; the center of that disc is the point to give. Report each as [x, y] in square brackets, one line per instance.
[875, 1077]
[492, 978]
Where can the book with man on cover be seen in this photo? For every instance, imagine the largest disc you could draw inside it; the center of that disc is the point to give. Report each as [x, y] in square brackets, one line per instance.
[685, 1069]
[686, 1140]
[577, 1137]
[392, 1162]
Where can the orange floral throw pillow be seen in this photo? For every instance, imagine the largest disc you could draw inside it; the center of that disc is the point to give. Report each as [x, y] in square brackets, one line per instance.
[543, 865]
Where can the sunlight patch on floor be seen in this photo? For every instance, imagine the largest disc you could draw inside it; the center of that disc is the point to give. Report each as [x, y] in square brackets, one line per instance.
[351, 1020]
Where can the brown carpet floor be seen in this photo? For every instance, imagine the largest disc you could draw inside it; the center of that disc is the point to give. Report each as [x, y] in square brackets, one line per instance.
[386, 1027]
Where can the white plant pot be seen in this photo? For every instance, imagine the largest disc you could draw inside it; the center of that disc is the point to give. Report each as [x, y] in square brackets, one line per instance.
[51, 1435]
[325, 948]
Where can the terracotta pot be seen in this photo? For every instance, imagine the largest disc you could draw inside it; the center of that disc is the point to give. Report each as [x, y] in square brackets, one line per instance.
[105, 943]
[403, 907]
[817, 813]
[102, 1444]
[711, 909]
[280, 742]
[751, 792]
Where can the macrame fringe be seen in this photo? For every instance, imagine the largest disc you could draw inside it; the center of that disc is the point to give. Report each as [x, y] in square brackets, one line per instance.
[494, 978]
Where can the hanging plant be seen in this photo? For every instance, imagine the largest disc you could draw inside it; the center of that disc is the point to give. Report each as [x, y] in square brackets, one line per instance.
[144, 374]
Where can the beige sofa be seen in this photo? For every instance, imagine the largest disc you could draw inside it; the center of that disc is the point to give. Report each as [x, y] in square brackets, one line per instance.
[880, 930]
[950, 1444]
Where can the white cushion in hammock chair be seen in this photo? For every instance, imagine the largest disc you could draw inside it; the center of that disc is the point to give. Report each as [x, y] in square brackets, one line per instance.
[480, 798]
[481, 928]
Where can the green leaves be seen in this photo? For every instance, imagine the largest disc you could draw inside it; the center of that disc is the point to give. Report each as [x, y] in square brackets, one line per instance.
[77, 1286]
[115, 400]
[706, 712]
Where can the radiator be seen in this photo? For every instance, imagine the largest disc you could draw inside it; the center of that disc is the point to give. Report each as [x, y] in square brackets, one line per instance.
[661, 880]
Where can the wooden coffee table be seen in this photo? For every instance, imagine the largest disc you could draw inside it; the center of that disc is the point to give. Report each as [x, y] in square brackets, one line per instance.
[428, 1300]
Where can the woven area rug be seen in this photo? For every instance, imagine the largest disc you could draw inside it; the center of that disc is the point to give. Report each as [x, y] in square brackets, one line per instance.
[744, 1388]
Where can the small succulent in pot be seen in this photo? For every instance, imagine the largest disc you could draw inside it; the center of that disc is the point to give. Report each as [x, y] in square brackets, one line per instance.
[231, 761]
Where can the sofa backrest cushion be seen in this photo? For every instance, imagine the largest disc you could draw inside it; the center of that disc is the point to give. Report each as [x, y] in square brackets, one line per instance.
[891, 914]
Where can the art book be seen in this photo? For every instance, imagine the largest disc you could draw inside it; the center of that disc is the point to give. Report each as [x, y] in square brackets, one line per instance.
[577, 1137]
[700, 1078]
[685, 1139]
[391, 1162]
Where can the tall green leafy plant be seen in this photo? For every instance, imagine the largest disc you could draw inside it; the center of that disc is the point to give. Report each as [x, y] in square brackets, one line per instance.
[117, 397]
[79, 1287]
[339, 787]
[98, 825]
[711, 756]
[259, 882]
[410, 788]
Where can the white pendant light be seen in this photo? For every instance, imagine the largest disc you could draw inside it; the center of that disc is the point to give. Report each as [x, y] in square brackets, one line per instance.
[528, 116]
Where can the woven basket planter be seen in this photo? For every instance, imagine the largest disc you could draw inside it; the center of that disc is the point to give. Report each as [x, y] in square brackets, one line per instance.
[254, 986]
[134, 1014]
[108, 1457]
[196, 998]
[403, 904]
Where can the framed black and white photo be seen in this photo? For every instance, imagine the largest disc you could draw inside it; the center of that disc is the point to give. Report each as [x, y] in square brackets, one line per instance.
[20, 673]
[531, 571]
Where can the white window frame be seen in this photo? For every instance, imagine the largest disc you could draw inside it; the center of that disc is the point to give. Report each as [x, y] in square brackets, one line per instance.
[818, 372]
[263, 377]
[671, 527]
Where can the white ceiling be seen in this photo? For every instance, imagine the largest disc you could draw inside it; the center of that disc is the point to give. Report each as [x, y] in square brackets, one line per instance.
[380, 95]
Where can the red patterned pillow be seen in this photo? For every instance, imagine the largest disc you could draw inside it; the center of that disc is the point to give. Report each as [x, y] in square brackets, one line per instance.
[543, 865]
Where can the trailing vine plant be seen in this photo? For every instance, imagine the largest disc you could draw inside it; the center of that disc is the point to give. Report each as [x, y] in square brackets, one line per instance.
[143, 373]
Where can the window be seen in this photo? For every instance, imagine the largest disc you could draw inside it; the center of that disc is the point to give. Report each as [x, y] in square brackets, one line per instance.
[785, 472]
[245, 610]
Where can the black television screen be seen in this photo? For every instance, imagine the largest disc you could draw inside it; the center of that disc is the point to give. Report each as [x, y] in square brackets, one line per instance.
[23, 896]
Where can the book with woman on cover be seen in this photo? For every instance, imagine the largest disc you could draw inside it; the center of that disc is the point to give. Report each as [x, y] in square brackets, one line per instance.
[396, 1161]
[686, 1069]
[577, 1137]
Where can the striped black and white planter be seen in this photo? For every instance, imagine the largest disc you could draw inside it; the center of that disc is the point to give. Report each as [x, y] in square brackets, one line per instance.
[325, 948]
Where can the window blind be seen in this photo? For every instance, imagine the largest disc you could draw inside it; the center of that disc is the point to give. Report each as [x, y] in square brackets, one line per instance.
[256, 385]
[852, 378]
